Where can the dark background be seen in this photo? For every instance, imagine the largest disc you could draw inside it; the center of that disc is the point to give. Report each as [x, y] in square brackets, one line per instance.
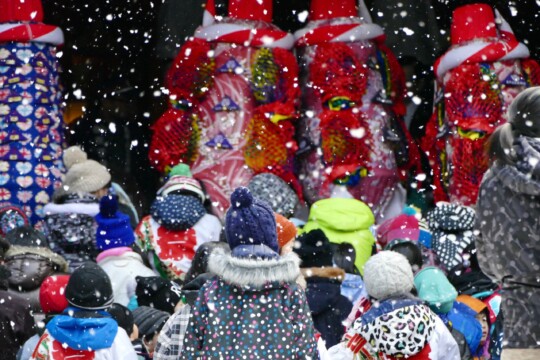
[116, 54]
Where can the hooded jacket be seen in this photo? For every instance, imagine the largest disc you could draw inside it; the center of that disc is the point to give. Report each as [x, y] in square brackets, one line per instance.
[508, 217]
[16, 321]
[344, 221]
[402, 327]
[98, 338]
[71, 229]
[123, 265]
[328, 307]
[252, 308]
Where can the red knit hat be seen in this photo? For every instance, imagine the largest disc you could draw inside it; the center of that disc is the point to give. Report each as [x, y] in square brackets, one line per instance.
[326, 9]
[21, 10]
[251, 10]
[52, 297]
[475, 21]
[286, 231]
[404, 226]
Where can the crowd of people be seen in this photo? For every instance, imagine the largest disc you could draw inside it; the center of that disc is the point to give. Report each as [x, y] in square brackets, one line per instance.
[93, 281]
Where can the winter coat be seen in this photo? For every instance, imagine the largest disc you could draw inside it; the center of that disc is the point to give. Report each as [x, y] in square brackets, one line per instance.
[402, 327]
[508, 217]
[344, 221]
[25, 353]
[71, 230]
[252, 309]
[171, 251]
[353, 288]
[16, 321]
[123, 265]
[97, 338]
[328, 307]
[29, 266]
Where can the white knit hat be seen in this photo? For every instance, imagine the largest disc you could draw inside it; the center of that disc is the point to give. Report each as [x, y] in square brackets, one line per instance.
[83, 175]
[388, 274]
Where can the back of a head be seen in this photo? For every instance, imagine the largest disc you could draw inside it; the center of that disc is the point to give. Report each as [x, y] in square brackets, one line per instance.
[388, 274]
[199, 264]
[89, 288]
[344, 257]
[523, 120]
[149, 320]
[411, 251]
[123, 316]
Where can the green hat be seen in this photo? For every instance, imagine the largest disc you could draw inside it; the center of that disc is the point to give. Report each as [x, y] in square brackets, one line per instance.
[434, 288]
[180, 170]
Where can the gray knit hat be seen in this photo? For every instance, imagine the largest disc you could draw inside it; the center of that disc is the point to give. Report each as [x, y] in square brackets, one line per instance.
[83, 176]
[275, 192]
[388, 274]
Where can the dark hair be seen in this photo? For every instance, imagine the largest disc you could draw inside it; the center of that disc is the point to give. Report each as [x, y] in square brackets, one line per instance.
[123, 316]
[523, 120]
[411, 251]
[344, 257]
[199, 264]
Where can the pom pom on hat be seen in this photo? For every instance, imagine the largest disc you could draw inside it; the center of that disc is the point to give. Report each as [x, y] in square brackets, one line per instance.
[108, 206]
[241, 198]
[180, 170]
[114, 228]
[388, 274]
[74, 155]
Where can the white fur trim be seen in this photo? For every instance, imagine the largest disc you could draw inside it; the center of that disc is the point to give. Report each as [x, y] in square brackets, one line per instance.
[71, 208]
[255, 273]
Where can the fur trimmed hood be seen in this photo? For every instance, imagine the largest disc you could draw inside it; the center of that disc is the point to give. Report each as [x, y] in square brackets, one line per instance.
[332, 273]
[44, 252]
[254, 273]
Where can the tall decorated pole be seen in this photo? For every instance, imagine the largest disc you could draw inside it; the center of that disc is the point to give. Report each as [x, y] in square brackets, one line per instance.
[233, 98]
[31, 124]
[354, 142]
[476, 80]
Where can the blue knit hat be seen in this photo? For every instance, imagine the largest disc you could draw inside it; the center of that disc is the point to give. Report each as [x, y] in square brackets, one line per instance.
[250, 221]
[114, 229]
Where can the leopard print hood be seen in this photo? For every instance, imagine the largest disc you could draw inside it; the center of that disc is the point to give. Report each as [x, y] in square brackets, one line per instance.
[397, 327]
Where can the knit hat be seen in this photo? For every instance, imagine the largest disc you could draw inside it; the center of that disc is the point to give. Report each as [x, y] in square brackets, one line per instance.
[149, 320]
[388, 274]
[286, 231]
[89, 288]
[314, 249]
[180, 179]
[177, 212]
[451, 226]
[434, 288]
[83, 175]
[114, 229]
[52, 294]
[275, 192]
[26, 236]
[11, 217]
[250, 221]
[405, 226]
[158, 293]
[123, 316]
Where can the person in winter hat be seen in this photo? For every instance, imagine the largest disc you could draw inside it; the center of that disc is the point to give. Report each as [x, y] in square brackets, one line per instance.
[508, 243]
[433, 287]
[275, 192]
[410, 328]
[171, 338]
[149, 321]
[115, 237]
[52, 299]
[11, 217]
[328, 307]
[352, 286]
[30, 260]
[177, 226]
[85, 329]
[69, 220]
[159, 293]
[480, 350]
[344, 221]
[16, 321]
[251, 278]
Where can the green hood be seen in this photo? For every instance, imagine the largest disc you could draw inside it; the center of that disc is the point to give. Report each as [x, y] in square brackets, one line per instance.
[434, 288]
[344, 221]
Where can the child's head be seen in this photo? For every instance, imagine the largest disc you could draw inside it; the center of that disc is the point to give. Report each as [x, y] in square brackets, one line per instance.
[482, 314]
[344, 257]
[410, 250]
[388, 274]
[434, 288]
[199, 264]
[124, 318]
[159, 293]
[286, 233]
[149, 321]
[89, 288]
[52, 297]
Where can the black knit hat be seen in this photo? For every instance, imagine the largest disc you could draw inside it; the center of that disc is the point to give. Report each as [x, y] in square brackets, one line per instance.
[123, 316]
[26, 236]
[89, 288]
[314, 249]
[149, 320]
[156, 292]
